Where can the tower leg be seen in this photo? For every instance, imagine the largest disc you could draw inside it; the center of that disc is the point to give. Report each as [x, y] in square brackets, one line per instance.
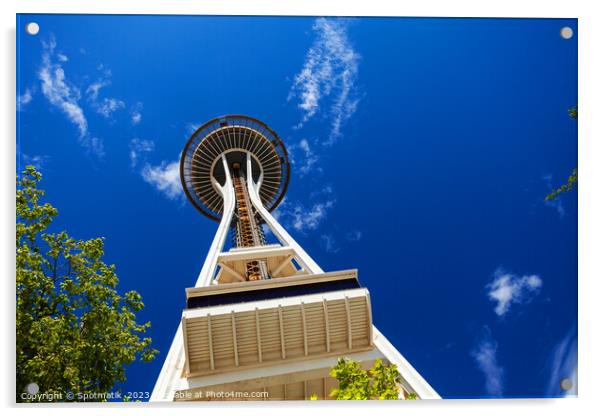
[171, 373]
[285, 238]
[227, 192]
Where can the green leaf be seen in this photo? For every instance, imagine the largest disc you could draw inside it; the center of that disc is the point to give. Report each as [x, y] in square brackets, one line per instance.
[381, 382]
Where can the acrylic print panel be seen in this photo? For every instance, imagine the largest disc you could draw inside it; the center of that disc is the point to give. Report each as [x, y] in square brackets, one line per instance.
[282, 192]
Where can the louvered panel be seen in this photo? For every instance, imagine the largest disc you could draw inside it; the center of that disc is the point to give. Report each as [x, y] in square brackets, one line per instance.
[293, 331]
[338, 325]
[198, 344]
[316, 329]
[246, 338]
[223, 343]
[360, 321]
[246, 333]
[276, 333]
[269, 327]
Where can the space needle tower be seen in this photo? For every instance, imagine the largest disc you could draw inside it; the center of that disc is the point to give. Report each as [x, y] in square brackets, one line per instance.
[263, 320]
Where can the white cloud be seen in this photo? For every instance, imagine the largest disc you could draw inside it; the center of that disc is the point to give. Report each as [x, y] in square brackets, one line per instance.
[57, 89]
[108, 106]
[24, 99]
[138, 147]
[310, 218]
[329, 71]
[136, 113]
[94, 89]
[507, 289]
[165, 178]
[301, 217]
[485, 356]
[65, 96]
[94, 144]
[563, 365]
[329, 243]
[136, 118]
[303, 157]
[62, 57]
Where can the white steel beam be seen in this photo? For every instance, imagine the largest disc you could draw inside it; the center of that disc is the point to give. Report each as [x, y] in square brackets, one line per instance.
[410, 378]
[227, 192]
[285, 238]
[170, 377]
[254, 253]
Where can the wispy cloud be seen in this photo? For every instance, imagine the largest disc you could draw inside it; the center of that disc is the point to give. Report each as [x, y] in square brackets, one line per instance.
[165, 177]
[138, 148]
[94, 88]
[107, 105]
[136, 113]
[329, 73]
[24, 99]
[563, 365]
[507, 289]
[303, 157]
[94, 145]
[485, 356]
[310, 218]
[329, 243]
[65, 96]
[304, 217]
[556, 203]
[58, 90]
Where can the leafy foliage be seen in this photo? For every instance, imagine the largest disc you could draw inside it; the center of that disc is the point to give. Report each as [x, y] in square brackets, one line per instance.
[381, 382]
[570, 183]
[75, 332]
[572, 180]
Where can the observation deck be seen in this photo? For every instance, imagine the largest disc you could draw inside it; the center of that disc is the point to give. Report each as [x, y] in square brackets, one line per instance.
[233, 136]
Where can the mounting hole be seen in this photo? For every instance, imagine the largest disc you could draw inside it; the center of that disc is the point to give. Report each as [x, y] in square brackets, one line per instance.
[32, 28]
[566, 384]
[566, 32]
[32, 388]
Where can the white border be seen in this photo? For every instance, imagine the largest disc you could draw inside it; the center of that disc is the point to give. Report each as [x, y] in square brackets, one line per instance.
[590, 172]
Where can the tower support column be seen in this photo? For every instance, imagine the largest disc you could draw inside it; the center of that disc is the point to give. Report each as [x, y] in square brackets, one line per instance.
[285, 238]
[227, 193]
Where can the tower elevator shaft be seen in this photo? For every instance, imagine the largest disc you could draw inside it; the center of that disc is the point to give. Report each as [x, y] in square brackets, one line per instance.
[248, 231]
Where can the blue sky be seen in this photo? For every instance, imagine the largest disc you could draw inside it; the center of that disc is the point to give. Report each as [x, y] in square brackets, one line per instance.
[422, 151]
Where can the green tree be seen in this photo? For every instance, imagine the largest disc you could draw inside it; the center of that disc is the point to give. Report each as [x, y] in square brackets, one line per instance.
[381, 382]
[572, 179]
[75, 333]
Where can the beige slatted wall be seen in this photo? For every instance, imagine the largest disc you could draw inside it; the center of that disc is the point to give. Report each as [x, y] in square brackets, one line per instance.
[232, 340]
